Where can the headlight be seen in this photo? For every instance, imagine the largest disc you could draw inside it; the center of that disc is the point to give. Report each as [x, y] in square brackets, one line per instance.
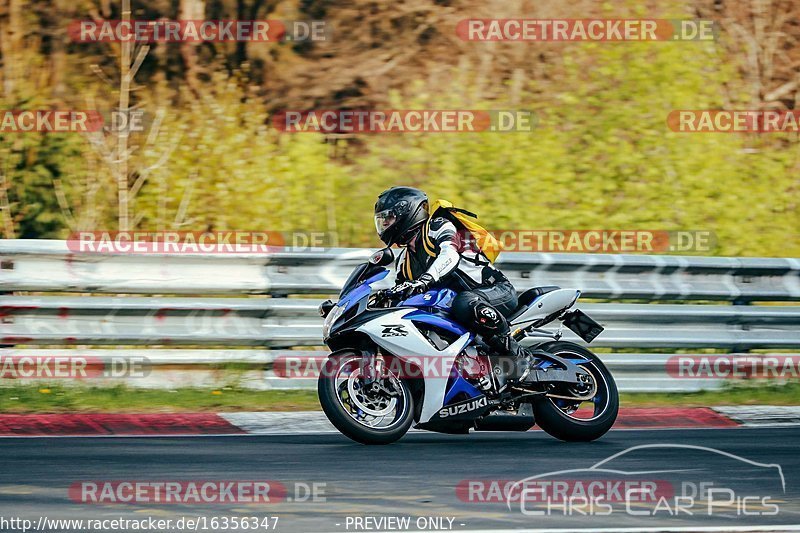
[331, 319]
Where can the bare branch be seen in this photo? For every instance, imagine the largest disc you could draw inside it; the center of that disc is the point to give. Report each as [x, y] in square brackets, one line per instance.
[139, 60]
[63, 204]
[184, 206]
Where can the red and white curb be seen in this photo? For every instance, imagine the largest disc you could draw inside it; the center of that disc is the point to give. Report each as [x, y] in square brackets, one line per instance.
[762, 415]
[276, 423]
[99, 424]
[313, 422]
[632, 418]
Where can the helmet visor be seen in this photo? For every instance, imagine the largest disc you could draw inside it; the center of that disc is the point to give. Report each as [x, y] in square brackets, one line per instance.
[384, 220]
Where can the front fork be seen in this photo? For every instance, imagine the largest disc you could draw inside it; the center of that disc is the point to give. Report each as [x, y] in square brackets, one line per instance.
[374, 375]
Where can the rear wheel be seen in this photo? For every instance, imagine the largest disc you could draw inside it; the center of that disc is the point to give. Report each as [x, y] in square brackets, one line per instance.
[376, 412]
[564, 414]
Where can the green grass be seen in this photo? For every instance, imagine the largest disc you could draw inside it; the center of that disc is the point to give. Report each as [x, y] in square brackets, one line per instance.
[71, 399]
[74, 399]
[740, 394]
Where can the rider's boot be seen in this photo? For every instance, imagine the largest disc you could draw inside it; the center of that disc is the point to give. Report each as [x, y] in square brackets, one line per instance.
[516, 361]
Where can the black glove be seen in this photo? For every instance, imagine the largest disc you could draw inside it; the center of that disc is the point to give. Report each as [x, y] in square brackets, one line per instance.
[407, 289]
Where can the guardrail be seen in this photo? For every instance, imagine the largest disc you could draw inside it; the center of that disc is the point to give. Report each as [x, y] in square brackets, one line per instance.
[29, 265]
[205, 319]
[285, 323]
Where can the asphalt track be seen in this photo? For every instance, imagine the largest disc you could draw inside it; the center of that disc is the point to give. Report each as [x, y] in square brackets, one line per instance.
[417, 477]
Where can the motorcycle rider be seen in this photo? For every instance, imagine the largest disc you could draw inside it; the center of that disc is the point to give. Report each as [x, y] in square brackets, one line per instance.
[484, 295]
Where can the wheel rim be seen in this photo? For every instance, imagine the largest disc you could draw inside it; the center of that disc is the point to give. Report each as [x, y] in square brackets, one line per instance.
[601, 401]
[369, 406]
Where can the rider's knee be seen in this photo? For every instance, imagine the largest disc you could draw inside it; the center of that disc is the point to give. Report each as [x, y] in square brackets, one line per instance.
[472, 310]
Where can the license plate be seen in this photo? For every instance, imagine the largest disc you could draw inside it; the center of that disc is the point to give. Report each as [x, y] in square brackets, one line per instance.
[579, 322]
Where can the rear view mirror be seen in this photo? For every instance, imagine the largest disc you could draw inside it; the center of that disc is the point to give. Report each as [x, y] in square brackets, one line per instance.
[382, 257]
[325, 308]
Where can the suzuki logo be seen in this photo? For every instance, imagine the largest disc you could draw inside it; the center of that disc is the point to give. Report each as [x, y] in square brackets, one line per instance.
[393, 330]
[463, 408]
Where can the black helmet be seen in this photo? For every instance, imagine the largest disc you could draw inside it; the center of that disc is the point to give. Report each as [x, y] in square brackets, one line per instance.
[398, 212]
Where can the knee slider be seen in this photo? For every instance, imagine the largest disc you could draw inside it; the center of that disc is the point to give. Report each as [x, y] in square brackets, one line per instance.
[488, 317]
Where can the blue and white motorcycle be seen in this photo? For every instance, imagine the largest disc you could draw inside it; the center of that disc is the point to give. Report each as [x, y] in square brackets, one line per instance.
[395, 364]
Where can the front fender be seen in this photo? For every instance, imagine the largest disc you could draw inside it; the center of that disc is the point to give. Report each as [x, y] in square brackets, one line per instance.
[416, 386]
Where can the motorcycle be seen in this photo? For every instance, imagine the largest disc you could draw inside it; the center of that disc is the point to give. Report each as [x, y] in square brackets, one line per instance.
[400, 362]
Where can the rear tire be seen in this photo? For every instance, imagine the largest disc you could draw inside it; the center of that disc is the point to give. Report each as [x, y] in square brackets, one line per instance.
[558, 423]
[329, 397]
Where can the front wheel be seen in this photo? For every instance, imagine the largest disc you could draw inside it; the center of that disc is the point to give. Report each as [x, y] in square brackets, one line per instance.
[574, 420]
[379, 412]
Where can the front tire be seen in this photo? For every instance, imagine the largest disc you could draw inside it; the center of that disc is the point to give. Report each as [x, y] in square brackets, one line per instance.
[350, 408]
[559, 418]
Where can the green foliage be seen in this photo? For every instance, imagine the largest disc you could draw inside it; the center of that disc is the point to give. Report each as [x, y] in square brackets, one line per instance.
[235, 171]
[31, 163]
[756, 392]
[600, 157]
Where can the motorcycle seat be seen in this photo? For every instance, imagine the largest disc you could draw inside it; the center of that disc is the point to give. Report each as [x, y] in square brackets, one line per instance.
[529, 296]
